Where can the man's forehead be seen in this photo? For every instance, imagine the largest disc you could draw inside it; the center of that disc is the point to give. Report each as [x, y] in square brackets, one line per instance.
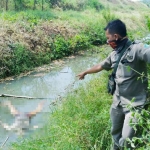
[108, 33]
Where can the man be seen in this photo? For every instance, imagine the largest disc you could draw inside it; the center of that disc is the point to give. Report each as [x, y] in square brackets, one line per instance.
[129, 83]
[22, 119]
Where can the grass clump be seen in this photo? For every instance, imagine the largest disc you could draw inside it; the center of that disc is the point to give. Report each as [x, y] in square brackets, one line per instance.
[20, 60]
[148, 22]
[77, 5]
[27, 15]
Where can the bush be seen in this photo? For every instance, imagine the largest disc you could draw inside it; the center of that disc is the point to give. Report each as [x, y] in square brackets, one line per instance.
[148, 21]
[143, 138]
[29, 15]
[95, 33]
[77, 4]
[63, 47]
[95, 4]
[108, 15]
[20, 60]
[78, 42]
[60, 48]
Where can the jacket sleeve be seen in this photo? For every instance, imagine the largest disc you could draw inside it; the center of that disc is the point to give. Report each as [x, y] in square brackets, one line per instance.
[143, 52]
[106, 63]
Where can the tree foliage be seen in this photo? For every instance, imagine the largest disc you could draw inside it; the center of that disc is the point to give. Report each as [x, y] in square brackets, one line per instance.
[22, 4]
[43, 4]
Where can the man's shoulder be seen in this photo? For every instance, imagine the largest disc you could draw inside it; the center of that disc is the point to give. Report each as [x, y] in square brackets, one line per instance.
[137, 44]
[141, 44]
[113, 54]
[138, 48]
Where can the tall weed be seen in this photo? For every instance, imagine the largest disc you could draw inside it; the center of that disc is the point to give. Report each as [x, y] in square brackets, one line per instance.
[95, 32]
[108, 15]
[95, 4]
[77, 5]
[60, 48]
[148, 21]
[29, 15]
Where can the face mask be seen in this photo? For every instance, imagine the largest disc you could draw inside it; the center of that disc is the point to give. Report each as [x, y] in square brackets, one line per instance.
[113, 43]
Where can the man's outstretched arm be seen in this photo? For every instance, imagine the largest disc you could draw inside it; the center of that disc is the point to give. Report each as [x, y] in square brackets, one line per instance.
[94, 69]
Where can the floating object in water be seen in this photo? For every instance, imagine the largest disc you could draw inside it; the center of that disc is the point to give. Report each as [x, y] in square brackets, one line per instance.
[22, 119]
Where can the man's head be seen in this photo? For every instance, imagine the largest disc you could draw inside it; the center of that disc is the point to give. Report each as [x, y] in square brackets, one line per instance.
[115, 32]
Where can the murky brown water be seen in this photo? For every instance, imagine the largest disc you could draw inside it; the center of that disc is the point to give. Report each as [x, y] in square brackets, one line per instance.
[50, 83]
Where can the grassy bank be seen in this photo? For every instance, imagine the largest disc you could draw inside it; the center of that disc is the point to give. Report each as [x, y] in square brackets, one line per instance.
[80, 122]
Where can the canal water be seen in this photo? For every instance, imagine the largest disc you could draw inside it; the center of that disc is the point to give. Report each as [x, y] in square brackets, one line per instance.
[49, 82]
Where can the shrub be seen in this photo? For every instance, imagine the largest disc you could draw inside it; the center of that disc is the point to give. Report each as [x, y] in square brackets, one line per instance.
[20, 60]
[143, 138]
[95, 4]
[60, 48]
[148, 21]
[29, 15]
[95, 33]
[77, 4]
[108, 15]
[54, 3]
[78, 42]
[43, 58]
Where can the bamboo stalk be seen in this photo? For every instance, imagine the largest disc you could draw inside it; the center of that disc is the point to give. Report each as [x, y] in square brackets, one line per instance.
[5, 142]
[15, 96]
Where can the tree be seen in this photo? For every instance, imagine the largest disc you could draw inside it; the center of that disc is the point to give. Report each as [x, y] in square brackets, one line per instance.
[34, 5]
[15, 4]
[42, 5]
[7, 5]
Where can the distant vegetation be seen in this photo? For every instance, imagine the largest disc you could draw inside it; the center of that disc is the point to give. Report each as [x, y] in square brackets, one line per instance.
[146, 2]
[35, 32]
[31, 37]
[18, 5]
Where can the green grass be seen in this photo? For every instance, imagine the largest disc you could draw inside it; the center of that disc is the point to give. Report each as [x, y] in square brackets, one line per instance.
[27, 15]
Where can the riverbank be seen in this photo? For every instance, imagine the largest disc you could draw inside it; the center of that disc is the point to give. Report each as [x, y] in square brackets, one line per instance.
[33, 38]
[50, 82]
[81, 121]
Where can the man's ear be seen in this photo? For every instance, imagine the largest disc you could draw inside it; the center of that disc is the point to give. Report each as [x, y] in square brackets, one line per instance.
[116, 36]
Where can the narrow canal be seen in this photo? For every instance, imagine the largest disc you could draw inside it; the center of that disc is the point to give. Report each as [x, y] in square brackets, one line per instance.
[51, 82]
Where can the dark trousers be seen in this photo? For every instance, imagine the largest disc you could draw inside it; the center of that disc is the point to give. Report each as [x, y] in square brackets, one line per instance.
[121, 129]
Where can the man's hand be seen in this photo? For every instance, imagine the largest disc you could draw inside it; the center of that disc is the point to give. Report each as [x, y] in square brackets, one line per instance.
[81, 75]
[94, 69]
